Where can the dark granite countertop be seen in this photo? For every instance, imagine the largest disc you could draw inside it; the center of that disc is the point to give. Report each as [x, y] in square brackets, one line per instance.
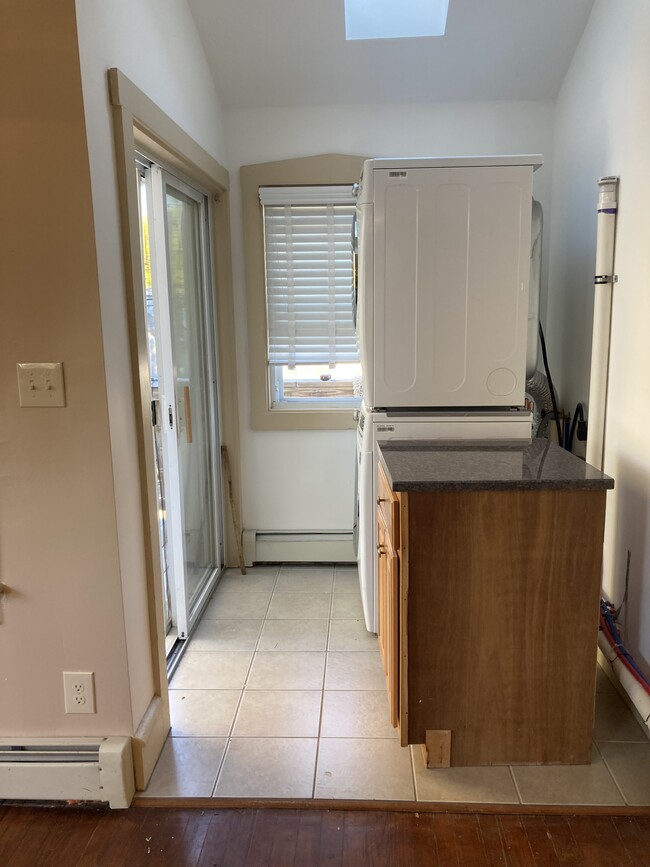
[486, 465]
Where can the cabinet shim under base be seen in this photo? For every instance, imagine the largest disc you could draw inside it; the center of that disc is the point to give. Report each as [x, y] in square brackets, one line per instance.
[488, 622]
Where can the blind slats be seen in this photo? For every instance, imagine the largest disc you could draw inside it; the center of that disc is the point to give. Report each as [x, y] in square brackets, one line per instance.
[308, 276]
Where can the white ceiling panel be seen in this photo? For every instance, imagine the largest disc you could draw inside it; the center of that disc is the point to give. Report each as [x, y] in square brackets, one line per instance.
[294, 52]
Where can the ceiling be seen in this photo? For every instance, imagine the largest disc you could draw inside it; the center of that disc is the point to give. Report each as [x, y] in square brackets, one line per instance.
[293, 52]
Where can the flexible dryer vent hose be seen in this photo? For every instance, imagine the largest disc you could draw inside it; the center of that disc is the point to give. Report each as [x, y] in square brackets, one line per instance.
[538, 388]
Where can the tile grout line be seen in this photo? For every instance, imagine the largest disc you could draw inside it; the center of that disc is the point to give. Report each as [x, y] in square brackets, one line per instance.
[611, 773]
[514, 782]
[416, 796]
[241, 693]
[322, 694]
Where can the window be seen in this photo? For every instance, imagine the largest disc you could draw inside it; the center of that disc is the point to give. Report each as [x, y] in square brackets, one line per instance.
[311, 341]
[282, 392]
[386, 19]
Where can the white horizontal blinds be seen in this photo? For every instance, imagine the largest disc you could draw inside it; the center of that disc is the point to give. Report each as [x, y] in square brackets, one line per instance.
[307, 240]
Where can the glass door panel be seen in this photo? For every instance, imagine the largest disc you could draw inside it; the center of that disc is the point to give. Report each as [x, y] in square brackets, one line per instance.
[191, 387]
[180, 324]
[150, 319]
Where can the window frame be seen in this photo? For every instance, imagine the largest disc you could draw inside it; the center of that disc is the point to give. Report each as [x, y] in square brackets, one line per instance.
[323, 170]
[298, 404]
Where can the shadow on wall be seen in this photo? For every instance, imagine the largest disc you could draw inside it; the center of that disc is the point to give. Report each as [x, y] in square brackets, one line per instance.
[631, 533]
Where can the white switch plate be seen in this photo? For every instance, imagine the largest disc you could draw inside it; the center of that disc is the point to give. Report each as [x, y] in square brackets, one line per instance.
[79, 691]
[41, 384]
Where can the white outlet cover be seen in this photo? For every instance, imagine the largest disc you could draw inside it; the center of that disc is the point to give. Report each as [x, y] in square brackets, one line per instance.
[79, 691]
[41, 384]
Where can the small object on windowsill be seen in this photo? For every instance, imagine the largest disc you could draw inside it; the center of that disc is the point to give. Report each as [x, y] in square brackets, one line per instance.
[325, 377]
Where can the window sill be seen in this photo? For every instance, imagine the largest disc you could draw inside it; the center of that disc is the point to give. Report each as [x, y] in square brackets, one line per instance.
[303, 418]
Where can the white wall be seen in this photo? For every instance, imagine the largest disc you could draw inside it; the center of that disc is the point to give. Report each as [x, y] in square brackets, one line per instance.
[154, 43]
[603, 128]
[305, 480]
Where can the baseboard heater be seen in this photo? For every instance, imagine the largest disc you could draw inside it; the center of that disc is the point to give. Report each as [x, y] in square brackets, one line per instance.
[269, 546]
[67, 769]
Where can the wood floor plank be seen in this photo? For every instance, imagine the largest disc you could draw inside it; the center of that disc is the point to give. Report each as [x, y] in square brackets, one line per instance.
[68, 836]
[540, 841]
[25, 826]
[228, 838]
[515, 842]
[175, 837]
[367, 838]
[4, 812]
[634, 834]
[445, 841]
[331, 838]
[410, 839]
[566, 849]
[597, 839]
[493, 846]
[116, 840]
[193, 839]
[285, 838]
[308, 839]
[273, 838]
[36, 829]
[469, 842]
[364, 838]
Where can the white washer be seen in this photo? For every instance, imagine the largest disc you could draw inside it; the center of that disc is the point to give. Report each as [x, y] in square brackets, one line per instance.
[374, 426]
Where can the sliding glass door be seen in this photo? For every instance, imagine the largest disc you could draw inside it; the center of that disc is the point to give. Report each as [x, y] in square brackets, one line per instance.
[174, 222]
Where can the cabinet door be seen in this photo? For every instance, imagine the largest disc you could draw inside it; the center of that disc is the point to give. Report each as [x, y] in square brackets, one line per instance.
[392, 633]
[382, 603]
[388, 630]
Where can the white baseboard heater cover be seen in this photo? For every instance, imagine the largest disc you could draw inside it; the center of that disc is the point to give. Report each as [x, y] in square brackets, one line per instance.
[67, 769]
[268, 546]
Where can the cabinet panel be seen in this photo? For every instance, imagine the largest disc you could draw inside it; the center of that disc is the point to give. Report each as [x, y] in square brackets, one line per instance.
[382, 605]
[392, 634]
[502, 623]
[388, 507]
[388, 615]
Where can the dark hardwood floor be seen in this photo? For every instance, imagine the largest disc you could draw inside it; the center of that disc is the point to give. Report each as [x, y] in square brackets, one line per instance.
[75, 836]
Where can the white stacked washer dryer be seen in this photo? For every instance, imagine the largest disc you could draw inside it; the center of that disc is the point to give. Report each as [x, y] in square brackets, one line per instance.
[441, 298]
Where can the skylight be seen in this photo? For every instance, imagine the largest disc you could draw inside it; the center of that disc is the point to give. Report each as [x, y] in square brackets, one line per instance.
[394, 19]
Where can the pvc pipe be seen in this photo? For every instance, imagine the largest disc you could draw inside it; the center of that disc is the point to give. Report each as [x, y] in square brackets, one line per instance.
[638, 696]
[600, 343]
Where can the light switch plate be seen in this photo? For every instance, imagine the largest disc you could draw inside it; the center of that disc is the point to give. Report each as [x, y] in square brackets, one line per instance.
[41, 384]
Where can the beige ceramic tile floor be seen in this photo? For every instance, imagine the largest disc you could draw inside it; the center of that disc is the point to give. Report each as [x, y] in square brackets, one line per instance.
[281, 694]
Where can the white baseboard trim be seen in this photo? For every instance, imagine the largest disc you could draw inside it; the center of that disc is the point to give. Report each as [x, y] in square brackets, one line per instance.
[149, 740]
[265, 546]
[67, 769]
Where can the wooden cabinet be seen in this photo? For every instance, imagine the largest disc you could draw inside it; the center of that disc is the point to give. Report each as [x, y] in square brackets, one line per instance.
[488, 621]
[388, 538]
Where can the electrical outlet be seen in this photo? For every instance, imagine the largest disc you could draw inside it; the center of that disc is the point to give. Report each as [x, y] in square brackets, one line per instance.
[79, 691]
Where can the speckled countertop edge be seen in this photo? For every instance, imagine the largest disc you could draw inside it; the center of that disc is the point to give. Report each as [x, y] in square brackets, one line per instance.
[486, 465]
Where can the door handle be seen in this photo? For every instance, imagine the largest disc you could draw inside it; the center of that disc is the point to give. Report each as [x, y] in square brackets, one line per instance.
[170, 416]
[188, 413]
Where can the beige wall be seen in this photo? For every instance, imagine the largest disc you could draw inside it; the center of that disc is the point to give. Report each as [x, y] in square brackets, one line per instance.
[58, 541]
